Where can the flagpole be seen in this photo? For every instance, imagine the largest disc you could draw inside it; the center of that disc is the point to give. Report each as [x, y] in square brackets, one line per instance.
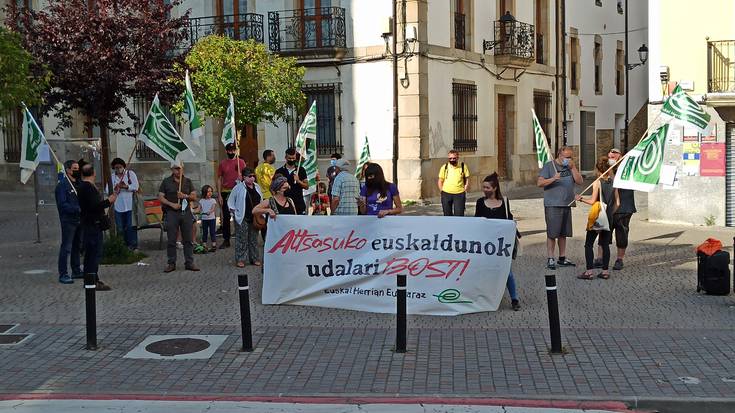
[181, 179]
[650, 126]
[35, 195]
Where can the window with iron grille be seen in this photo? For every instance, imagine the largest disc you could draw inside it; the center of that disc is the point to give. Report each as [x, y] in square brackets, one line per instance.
[11, 125]
[620, 70]
[328, 117]
[464, 102]
[542, 106]
[141, 106]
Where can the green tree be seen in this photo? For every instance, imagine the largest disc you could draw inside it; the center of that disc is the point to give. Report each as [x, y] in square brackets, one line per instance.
[21, 78]
[265, 86]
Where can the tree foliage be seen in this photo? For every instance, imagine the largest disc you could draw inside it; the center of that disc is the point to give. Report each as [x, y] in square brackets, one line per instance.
[21, 78]
[101, 55]
[265, 86]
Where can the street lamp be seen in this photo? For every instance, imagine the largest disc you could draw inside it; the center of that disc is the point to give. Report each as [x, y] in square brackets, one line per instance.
[642, 56]
[507, 21]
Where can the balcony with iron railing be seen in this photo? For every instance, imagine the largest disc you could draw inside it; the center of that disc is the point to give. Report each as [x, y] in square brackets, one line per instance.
[721, 66]
[460, 33]
[514, 43]
[315, 33]
[235, 26]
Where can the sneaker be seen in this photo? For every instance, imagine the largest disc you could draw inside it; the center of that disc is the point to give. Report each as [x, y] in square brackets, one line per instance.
[515, 304]
[565, 263]
[618, 265]
[65, 279]
[551, 264]
[102, 286]
[179, 245]
[225, 244]
[597, 263]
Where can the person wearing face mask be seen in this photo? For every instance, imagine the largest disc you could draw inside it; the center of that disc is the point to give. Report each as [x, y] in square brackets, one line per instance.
[265, 171]
[297, 180]
[332, 173]
[620, 223]
[558, 178]
[379, 197]
[453, 184]
[246, 196]
[124, 184]
[227, 177]
[67, 203]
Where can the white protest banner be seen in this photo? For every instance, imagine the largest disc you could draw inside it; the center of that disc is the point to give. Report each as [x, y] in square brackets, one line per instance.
[454, 265]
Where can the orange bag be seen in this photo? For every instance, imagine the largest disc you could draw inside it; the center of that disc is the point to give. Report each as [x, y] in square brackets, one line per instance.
[710, 246]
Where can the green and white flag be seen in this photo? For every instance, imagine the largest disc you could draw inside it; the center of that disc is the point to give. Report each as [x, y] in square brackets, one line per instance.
[543, 152]
[364, 158]
[30, 146]
[229, 132]
[192, 116]
[306, 145]
[160, 135]
[682, 107]
[641, 168]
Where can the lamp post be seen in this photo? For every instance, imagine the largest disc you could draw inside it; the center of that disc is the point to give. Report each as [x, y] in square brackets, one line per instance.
[643, 57]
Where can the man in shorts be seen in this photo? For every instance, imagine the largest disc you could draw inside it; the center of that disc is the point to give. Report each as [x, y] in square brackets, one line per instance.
[558, 178]
[621, 218]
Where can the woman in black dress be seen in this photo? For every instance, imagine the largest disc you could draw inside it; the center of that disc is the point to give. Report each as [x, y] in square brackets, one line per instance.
[494, 206]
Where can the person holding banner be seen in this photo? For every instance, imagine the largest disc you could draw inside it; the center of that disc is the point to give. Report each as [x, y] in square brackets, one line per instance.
[279, 203]
[607, 199]
[243, 199]
[176, 194]
[297, 180]
[494, 206]
[67, 203]
[558, 178]
[378, 196]
[228, 173]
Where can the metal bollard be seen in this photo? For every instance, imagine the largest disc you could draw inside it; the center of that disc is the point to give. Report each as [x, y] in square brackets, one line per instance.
[401, 314]
[245, 323]
[90, 287]
[554, 326]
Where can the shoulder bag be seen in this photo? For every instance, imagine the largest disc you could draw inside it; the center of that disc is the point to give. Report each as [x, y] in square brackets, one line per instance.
[601, 222]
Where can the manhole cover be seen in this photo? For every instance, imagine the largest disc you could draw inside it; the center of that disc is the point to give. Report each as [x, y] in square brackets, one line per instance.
[6, 327]
[10, 339]
[177, 346]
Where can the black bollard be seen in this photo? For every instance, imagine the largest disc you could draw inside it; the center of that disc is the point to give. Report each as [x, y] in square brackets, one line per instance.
[554, 326]
[90, 287]
[401, 315]
[246, 324]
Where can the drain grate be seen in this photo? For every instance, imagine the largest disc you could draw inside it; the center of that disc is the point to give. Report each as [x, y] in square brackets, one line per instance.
[177, 346]
[12, 339]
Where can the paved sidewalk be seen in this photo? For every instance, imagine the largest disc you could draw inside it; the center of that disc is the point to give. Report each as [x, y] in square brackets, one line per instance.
[642, 335]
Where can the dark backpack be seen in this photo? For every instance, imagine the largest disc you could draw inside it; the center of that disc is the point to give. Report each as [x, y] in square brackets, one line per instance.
[446, 172]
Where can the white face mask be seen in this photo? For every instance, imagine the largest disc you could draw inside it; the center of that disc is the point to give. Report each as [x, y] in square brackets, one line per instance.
[611, 162]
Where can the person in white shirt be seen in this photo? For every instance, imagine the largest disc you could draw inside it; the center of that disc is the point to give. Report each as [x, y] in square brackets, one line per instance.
[125, 183]
[208, 205]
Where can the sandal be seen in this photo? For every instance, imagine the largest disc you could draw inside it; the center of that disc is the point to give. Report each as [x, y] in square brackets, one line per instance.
[604, 276]
[586, 276]
[257, 263]
[240, 264]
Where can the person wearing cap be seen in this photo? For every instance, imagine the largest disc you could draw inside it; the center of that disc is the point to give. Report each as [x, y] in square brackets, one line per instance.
[345, 190]
[227, 177]
[620, 224]
[244, 197]
[124, 184]
[298, 181]
[177, 215]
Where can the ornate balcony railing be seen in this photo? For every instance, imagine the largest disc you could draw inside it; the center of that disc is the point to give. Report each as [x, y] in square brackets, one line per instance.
[235, 26]
[459, 31]
[515, 43]
[721, 66]
[313, 31]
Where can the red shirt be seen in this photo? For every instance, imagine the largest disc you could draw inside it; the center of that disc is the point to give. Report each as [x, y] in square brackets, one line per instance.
[228, 171]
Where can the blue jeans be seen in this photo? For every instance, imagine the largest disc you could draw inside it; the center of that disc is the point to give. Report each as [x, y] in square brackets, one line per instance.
[511, 285]
[124, 224]
[92, 250]
[71, 242]
[209, 227]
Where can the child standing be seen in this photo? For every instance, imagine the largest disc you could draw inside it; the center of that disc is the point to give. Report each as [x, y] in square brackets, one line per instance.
[209, 218]
[320, 200]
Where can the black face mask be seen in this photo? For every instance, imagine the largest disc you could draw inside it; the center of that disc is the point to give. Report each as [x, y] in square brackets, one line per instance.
[291, 162]
[76, 174]
[453, 162]
[231, 155]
